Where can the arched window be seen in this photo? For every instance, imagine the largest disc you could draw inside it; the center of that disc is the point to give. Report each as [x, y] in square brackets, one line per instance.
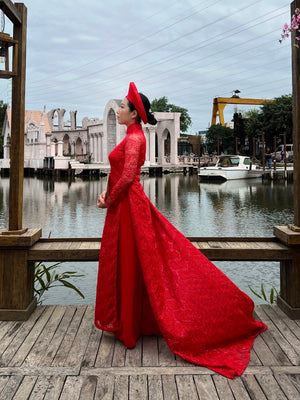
[111, 130]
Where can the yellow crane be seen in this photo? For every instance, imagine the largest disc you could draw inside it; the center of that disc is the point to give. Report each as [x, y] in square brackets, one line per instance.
[219, 104]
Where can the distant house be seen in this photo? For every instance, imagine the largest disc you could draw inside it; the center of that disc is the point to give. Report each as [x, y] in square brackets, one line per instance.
[36, 128]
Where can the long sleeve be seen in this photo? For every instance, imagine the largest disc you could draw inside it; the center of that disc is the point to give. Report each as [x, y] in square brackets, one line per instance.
[132, 150]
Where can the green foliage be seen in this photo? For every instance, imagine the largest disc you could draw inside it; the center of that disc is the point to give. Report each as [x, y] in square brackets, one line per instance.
[46, 278]
[273, 118]
[277, 118]
[162, 105]
[271, 299]
[226, 138]
[253, 123]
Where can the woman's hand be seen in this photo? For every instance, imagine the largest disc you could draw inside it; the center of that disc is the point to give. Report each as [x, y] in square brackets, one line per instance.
[100, 200]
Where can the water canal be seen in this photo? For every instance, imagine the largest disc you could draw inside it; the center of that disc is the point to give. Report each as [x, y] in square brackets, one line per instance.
[237, 208]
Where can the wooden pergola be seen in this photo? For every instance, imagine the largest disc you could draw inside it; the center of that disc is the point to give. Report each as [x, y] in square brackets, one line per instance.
[19, 246]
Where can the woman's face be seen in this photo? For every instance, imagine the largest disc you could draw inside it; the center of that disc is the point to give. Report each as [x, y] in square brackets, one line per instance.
[124, 115]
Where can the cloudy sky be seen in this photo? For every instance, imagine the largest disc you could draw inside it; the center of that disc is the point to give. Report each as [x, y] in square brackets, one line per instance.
[81, 54]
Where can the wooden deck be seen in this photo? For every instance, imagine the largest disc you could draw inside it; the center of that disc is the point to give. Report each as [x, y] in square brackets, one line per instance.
[59, 354]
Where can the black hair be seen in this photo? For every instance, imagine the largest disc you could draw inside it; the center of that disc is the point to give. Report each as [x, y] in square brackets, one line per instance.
[146, 103]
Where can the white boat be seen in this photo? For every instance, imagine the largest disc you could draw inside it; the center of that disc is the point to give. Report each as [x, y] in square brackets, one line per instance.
[230, 167]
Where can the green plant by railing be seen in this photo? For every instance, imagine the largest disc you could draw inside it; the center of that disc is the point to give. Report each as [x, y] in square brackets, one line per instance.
[46, 278]
[271, 298]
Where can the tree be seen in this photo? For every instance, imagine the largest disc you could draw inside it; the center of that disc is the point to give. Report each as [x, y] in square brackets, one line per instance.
[3, 107]
[226, 138]
[253, 123]
[162, 105]
[273, 119]
[277, 119]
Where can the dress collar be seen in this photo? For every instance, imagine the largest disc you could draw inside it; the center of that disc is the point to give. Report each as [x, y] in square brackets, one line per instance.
[134, 127]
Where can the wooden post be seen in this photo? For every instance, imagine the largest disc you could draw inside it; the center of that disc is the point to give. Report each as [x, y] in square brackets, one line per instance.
[289, 299]
[17, 127]
[263, 150]
[296, 121]
[17, 274]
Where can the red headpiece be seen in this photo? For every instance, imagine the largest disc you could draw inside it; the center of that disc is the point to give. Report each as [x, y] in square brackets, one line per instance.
[135, 98]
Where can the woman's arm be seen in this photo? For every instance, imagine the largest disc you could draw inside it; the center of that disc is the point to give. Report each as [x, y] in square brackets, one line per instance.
[132, 149]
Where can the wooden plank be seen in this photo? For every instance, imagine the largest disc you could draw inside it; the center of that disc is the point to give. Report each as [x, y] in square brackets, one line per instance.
[293, 325]
[287, 386]
[7, 333]
[81, 339]
[155, 388]
[41, 345]
[295, 379]
[29, 341]
[88, 388]
[72, 387]
[253, 388]
[254, 358]
[134, 356]
[205, 387]
[40, 388]
[25, 388]
[58, 337]
[106, 351]
[66, 345]
[238, 389]
[56, 384]
[280, 339]
[119, 355]
[92, 348]
[105, 387]
[11, 387]
[12, 346]
[169, 387]
[121, 388]
[270, 387]
[222, 387]
[264, 353]
[150, 351]
[180, 362]
[186, 387]
[283, 327]
[89, 245]
[165, 355]
[3, 381]
[138, 387]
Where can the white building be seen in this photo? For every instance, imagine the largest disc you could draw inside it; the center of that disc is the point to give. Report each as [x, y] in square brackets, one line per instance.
[48, 137]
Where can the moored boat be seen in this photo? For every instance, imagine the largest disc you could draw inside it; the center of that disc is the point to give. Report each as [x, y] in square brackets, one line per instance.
[229, 167]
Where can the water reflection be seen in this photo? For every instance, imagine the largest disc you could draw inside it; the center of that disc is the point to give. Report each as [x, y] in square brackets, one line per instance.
[234, 208]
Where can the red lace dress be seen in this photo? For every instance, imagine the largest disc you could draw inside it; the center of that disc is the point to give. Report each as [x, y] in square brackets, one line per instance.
[152, 280]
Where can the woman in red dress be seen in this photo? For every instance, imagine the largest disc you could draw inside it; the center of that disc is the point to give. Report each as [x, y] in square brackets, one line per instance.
[152, 280]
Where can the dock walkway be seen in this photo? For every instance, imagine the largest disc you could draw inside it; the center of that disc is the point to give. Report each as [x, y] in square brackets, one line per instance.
[59, 354]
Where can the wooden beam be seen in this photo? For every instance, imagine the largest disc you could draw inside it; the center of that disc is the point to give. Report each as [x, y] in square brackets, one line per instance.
[17, 127]
[11, 11]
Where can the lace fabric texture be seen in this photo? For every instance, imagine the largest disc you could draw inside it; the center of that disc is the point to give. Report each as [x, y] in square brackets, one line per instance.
[203, 316]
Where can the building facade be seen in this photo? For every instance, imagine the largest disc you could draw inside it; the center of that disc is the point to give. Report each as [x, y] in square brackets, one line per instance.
[48, 136]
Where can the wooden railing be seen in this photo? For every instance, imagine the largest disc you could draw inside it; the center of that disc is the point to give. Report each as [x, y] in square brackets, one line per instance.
[221, 249]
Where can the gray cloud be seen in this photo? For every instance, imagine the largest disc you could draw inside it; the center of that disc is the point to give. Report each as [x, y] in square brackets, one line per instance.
[81, 54]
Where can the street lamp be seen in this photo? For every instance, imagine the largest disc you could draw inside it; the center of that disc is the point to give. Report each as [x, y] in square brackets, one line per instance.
[6, 41]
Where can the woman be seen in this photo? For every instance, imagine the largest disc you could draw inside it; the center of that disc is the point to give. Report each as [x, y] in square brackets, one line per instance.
[152, 280]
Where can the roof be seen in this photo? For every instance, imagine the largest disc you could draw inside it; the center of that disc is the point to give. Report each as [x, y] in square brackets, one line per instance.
[36, 116]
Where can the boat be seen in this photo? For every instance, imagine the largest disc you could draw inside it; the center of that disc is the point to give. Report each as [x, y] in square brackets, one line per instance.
[229, 167]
